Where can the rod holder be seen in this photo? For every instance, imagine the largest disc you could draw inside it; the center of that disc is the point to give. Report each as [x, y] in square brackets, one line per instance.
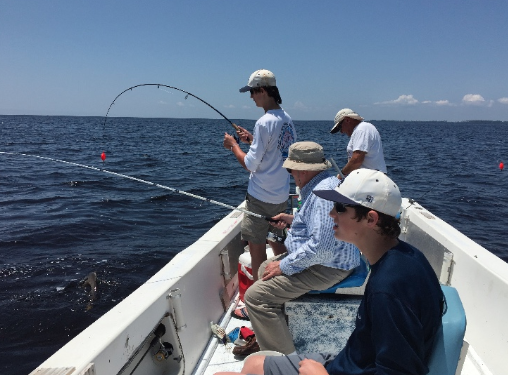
[176, 302]
[226, 268]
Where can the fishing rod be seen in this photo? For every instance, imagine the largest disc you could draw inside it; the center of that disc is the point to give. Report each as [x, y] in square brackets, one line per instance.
[267, 218]
[174, 88]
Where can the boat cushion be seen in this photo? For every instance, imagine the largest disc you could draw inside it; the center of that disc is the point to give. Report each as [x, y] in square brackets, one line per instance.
[355, 280]
[449, 339]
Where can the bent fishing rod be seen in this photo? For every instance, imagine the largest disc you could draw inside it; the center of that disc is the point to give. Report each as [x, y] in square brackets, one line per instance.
[159, 85]
[267, 218]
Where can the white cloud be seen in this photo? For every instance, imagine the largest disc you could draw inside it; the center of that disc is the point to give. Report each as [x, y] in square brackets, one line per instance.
[229, 106]
[474, 99]
[437, 102]
[503, 100]
[402, 100]
[443, 102]
[180, 104]
[299, 105]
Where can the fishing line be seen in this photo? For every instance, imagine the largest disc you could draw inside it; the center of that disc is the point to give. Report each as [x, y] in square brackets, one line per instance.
[267, 218]
[159, 85]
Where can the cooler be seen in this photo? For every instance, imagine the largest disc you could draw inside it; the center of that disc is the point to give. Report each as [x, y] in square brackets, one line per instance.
[245, 278]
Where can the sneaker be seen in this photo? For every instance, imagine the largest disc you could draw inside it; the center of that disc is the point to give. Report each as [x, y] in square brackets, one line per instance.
[251, 347]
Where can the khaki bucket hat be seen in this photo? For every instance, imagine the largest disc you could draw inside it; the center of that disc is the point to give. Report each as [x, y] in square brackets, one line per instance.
[306, 156]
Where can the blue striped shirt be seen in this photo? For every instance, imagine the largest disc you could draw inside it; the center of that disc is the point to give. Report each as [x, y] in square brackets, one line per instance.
[310, 240]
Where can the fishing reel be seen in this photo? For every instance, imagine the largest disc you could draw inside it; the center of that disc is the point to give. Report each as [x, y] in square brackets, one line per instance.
[162, 350]
[274, 237]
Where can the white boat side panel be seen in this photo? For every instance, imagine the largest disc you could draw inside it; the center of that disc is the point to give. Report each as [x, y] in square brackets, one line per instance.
[222, 233]
[110, 341]
[481, 279]
[196, 272]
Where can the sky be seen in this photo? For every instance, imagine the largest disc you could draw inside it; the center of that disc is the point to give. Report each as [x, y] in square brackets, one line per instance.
[387, 60]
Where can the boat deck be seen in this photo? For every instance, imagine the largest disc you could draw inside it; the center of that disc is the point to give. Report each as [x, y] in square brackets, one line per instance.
[309, 328]
[222, 357]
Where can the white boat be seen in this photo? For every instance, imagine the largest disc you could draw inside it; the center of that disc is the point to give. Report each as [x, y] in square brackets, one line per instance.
[199, 286]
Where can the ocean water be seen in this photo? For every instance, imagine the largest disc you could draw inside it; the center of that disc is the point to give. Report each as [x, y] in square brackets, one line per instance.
[59, 222]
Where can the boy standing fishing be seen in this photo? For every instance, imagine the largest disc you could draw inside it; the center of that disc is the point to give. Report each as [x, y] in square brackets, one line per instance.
[268, 188]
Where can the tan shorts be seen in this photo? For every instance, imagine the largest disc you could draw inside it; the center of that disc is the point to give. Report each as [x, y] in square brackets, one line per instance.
[255, 229]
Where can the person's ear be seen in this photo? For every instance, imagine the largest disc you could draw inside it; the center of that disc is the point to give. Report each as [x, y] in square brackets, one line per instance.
[372, 218]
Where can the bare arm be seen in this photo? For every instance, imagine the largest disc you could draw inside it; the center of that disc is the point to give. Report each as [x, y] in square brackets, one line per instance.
[355, 162]
[230, 144]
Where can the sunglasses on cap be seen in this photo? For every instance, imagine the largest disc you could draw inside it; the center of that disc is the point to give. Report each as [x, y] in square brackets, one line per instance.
[341, 207]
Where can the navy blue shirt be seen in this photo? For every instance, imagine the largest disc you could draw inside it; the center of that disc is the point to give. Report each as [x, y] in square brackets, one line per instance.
[397, 318]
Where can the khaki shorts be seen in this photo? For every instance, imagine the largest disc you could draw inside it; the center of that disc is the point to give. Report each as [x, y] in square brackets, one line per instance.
[255, 229]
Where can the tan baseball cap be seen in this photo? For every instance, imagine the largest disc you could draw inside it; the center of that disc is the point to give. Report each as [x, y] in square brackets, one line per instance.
[346, 112]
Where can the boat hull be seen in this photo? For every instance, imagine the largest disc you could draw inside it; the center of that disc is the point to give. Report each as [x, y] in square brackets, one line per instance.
[196, 287]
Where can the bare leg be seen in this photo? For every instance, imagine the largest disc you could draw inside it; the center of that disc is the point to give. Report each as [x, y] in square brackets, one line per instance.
[257, 256]
[277, 247]
[254, 365]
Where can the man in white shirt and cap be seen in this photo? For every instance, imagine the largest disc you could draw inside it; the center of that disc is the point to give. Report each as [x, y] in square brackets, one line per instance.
[364, 149]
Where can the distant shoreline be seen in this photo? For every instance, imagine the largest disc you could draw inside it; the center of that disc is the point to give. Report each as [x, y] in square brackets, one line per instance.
[240, 120]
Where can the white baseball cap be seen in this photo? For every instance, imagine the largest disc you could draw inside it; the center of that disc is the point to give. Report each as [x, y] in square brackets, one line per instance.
[259, 78]
[345, 112]
[369, 188]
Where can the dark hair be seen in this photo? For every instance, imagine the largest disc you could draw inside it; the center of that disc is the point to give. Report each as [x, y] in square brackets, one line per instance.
[388, 225]
[273, 92]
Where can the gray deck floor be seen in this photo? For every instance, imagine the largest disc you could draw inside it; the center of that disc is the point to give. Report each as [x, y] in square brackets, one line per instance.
[223, 359]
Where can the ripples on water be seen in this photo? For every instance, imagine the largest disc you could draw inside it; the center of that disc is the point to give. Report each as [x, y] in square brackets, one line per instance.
[60, 222]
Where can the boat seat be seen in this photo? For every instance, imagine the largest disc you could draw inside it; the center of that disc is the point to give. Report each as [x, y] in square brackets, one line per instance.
[354, 284]
[448, 343]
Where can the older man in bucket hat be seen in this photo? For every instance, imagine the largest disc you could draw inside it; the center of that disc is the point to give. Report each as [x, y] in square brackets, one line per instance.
[364, 149]
[315, 259]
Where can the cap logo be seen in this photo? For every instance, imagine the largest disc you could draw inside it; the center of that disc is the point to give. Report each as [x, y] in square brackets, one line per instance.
[369, 198]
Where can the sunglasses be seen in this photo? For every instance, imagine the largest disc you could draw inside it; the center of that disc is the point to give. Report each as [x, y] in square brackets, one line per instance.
[339, 126]
[255, 90]
[340, 207]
